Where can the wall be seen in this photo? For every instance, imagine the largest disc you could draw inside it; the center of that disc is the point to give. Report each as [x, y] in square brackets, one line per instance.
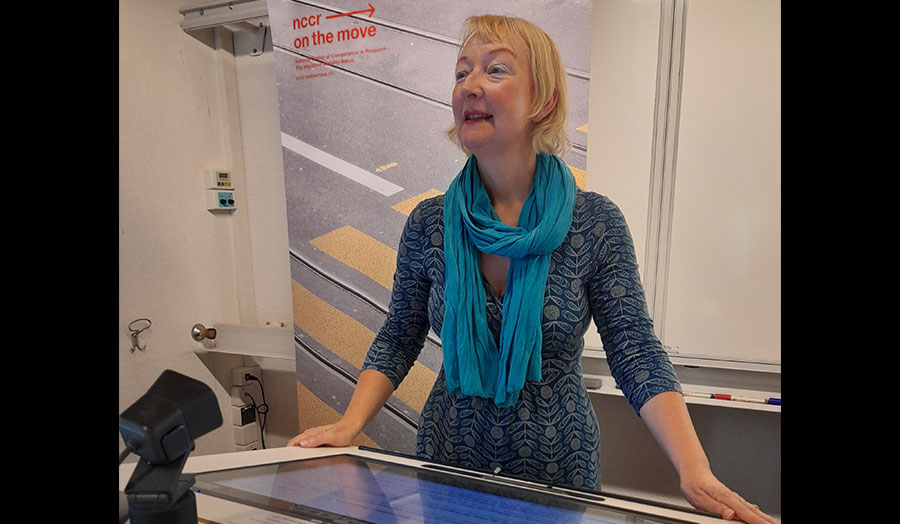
[176, 259]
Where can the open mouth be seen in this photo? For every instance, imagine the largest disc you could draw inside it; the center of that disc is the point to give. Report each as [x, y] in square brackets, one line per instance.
[476, 116]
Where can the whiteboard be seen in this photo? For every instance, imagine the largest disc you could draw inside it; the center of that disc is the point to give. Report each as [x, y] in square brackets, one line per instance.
[715, 290]
[723, 293]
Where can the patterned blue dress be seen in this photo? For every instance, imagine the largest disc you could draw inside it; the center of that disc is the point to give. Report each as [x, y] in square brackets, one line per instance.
[551, 434]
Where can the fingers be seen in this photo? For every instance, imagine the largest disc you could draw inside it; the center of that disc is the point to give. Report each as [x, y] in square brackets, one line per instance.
[751, 513]
[336, 435]
[731, 506]
[312, 437]
[706, 502]
[296, 440]
[745, 511]
[706, 492]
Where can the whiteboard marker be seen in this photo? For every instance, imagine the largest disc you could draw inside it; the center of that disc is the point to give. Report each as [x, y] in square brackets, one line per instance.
[698, 395]
[723, 396]
[746, 399]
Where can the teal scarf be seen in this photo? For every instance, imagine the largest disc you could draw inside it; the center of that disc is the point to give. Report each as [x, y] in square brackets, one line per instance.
[473, 365]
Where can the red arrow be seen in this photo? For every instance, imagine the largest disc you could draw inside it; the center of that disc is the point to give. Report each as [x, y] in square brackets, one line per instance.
[370, 10]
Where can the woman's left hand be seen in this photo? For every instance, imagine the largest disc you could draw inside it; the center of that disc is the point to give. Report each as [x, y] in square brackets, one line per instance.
[705, 492]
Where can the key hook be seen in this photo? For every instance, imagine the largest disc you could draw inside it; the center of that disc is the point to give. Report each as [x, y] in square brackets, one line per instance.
[136, 332]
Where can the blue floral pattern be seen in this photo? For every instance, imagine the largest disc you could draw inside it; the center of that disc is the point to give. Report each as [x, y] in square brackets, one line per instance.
[551, 434]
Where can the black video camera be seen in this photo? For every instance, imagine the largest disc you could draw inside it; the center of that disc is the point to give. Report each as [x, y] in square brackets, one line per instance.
[160, 427]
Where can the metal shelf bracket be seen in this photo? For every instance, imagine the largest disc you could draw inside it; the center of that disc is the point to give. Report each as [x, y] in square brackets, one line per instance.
[235, 15]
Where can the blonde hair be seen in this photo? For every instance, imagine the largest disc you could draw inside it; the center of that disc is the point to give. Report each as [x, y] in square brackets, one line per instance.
[547, 76]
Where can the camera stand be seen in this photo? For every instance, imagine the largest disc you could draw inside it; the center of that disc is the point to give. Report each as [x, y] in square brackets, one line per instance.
[160, 494]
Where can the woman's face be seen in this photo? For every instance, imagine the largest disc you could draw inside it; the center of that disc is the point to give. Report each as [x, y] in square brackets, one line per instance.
[492, 96]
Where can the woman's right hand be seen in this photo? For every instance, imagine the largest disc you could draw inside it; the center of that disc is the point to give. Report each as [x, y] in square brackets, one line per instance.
[372, 391]
[337, 435]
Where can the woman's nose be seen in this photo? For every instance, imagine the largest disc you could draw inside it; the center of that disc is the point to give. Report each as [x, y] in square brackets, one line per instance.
[471, 85]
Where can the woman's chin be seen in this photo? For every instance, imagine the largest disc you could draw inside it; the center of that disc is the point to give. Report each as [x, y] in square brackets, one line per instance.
[475, 144]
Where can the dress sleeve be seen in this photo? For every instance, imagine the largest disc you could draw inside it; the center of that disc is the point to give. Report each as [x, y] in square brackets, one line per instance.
[636, 358]
[402, 336]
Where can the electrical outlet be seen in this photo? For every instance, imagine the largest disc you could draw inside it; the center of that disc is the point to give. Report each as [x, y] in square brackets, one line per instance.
[242, 415]
[217, 200]
[238, 375]
[240, 397]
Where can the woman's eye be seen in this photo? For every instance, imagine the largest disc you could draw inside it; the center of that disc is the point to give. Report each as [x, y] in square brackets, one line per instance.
[494, 70]
[460, 75]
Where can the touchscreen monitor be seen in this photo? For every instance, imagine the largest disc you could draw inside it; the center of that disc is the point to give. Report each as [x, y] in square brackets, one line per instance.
[349, 488]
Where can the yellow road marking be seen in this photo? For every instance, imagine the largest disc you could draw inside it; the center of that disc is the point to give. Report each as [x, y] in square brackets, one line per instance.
[580, 176]
[349, 339]
[386, 167]
[409, 204]
[361, 252]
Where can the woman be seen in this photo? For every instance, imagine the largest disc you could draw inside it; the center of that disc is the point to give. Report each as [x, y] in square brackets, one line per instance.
[509, 266]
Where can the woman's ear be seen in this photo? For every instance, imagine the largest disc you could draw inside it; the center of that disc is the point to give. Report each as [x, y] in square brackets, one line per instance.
[548, 107]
